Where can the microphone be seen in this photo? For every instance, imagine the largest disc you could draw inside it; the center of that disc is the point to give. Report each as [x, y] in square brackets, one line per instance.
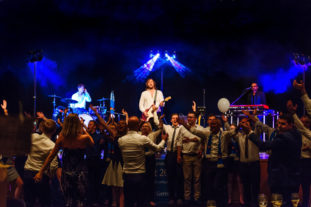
[248, 88]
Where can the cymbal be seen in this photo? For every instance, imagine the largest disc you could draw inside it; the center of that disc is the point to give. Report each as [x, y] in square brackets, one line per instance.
[60, 107]
[68, 100]
[103, 99]
[54, 96]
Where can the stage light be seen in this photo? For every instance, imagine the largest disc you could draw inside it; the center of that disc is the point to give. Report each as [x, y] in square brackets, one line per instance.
[142, 72]
[151, 54]
[150, 64]
[174, 55]
[180, 68]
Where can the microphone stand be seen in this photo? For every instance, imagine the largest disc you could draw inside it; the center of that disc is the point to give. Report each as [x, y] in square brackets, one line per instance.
[244, 92]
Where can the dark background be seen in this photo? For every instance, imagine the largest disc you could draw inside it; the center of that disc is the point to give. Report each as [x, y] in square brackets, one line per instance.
[226, 45]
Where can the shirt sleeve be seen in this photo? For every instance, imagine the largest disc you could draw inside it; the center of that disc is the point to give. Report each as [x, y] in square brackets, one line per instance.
[301, 128]
[160, 98]
[307, 103]
[149, 144]
[142, 103]
[87, 97]
[201, 133]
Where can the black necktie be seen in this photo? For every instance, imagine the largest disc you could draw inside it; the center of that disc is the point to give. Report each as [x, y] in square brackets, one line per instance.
[172, 144]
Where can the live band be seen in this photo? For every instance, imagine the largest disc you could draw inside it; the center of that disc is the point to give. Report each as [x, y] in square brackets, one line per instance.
[151, 101]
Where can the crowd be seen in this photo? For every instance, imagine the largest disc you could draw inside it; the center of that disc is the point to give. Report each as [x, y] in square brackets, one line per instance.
[112, 163]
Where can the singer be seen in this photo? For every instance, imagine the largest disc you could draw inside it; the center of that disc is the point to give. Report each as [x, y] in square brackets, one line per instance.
[256, 97]
[81, 96]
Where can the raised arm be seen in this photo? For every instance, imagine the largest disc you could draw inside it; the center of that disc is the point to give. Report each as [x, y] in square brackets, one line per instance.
[40, 115]
[88, 137]
[201, 133]
[150, 144]
[4, 107]
[304, 96]
[87, 96]
[126, 116]
[194, 106]
[103, 122]
[301, 128]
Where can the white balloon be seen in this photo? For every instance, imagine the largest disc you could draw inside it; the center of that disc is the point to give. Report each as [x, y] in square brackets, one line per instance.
[223, 105]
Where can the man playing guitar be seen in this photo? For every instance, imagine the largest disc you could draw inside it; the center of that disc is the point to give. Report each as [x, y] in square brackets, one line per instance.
[150, 99]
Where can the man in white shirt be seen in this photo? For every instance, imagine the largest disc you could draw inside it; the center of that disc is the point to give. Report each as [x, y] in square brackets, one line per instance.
[82, 96]
[190, 147]
[176, 133]
[151, 99]
[132, 147]
[41, 146]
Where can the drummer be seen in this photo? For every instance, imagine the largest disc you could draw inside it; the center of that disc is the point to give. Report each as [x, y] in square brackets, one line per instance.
[82, 96]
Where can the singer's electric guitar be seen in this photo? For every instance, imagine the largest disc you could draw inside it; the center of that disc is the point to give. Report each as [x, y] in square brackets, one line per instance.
[150, 112]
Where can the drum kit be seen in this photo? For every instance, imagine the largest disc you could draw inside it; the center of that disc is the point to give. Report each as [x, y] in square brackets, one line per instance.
[86, 115]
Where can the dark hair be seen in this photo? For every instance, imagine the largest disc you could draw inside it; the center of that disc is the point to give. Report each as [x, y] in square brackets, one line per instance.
[194, 113]
[94, 123]
[80, 85]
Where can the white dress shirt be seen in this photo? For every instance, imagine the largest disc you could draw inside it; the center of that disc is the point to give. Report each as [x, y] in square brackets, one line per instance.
[82, 99]
[224, 138]
[132, 147]
[147, 100]
[41, 146]
[180, 133]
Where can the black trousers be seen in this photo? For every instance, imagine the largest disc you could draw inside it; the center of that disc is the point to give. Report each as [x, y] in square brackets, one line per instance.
[150, 177]
[174, 176]
[215, 182]
[306, 181]
[134, 189]
[250, 177]
[33, 190]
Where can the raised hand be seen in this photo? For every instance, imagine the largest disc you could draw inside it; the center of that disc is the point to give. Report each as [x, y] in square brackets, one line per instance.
[4, 105]
[299, 86]
[40, 115]
[194, 106]
[124, 112]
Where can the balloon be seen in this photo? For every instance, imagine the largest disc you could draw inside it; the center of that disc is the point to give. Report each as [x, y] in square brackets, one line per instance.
[223, 105]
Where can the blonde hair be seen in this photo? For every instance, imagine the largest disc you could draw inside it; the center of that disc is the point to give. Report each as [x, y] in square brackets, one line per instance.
[72, 126]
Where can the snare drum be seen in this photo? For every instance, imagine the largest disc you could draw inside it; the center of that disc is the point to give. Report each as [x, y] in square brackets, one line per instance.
[86, 117]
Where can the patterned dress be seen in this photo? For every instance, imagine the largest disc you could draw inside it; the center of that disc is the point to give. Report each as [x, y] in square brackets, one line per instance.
[74, 176]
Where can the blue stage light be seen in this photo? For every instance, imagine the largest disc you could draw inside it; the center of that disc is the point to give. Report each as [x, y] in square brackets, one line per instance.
[47, 74]
[180, 68]
[280, 81]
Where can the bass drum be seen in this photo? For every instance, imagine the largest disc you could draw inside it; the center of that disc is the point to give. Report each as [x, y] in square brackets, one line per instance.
[86, 117]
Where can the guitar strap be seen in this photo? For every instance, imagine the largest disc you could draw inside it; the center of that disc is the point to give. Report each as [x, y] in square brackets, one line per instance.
[155, 97]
